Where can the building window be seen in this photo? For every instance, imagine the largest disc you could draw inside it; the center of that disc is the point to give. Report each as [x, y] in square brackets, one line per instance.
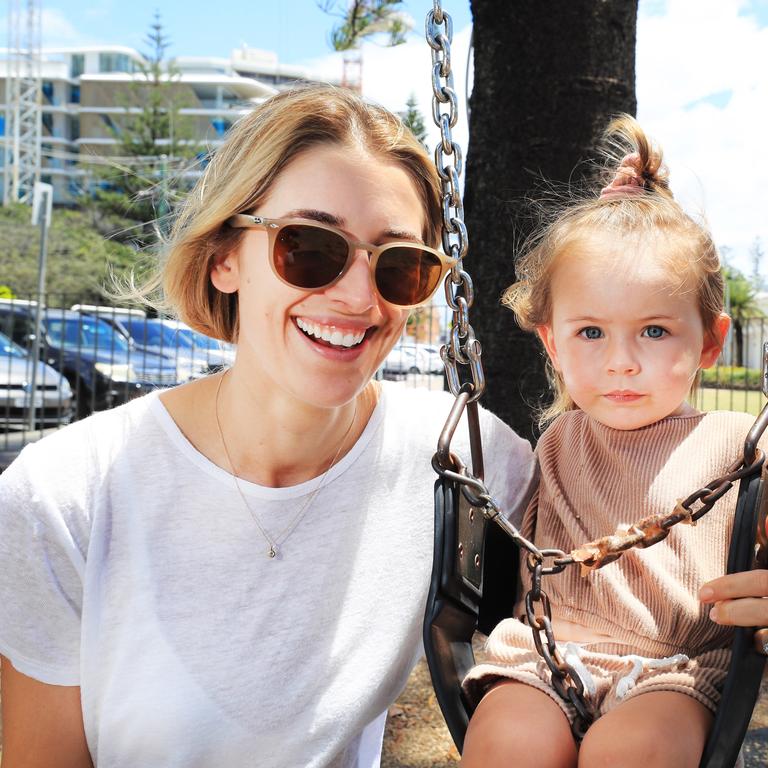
[74, 128]
[48, 123]
[47, 90]
[77, 64]
[115, 62]
[74, 94]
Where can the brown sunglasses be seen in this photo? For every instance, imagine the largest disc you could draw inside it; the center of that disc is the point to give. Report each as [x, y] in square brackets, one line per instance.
[312, 256]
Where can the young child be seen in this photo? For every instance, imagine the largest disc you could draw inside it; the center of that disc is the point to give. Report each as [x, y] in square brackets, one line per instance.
[626, 294]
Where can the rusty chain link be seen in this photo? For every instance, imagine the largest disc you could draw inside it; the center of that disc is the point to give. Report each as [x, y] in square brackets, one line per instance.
[463, 349]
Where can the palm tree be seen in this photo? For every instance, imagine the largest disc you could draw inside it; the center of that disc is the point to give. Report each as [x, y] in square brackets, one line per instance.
[741, 304]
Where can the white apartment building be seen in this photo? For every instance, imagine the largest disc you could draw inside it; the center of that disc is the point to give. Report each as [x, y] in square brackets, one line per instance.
[84, 94]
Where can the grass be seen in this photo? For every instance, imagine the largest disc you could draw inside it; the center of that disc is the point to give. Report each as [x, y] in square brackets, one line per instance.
[712, 399]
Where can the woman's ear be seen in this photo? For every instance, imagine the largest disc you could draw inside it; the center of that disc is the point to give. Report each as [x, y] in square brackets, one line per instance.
[714, 341]
[225, 274]
[547, 337]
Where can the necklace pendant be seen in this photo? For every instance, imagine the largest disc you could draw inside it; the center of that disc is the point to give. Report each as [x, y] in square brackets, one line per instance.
[272, 551]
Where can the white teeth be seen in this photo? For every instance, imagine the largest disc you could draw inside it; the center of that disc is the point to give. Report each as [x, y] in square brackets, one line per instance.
[330, 333]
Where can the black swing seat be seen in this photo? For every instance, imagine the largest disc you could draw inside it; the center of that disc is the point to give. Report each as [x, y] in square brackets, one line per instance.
[475, 565]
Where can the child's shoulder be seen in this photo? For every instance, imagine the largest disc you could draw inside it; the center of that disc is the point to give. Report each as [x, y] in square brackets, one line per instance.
[728, 425]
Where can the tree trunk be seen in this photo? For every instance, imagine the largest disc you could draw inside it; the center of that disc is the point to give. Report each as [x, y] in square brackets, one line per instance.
[548, 77]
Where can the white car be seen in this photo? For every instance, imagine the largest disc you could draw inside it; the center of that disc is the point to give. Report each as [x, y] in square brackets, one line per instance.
[427, 357]
[52, 400]
[402, 359]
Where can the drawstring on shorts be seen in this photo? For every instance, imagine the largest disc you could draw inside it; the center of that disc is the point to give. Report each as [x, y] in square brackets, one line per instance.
[639, 664]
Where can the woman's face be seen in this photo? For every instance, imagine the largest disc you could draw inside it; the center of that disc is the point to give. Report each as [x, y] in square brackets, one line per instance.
[281, 327]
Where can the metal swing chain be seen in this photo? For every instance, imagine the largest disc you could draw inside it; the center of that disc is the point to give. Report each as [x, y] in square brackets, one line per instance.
[463, 349]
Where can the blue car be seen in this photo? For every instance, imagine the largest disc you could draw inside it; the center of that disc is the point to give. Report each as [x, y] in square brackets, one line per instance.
[101, 367]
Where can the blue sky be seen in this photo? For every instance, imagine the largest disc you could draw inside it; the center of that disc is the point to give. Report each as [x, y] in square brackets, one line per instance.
[295, 29]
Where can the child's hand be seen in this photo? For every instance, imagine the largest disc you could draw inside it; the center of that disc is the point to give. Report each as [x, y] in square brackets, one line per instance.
[739, 598]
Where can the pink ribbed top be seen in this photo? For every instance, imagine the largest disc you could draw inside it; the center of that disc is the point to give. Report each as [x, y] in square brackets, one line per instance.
[593, 479]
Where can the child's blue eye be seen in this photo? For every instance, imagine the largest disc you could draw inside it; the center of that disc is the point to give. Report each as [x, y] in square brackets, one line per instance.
[591, 332]
[654, 332]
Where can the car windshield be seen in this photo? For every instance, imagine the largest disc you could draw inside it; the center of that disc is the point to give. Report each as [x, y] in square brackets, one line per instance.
[9, 349]
[84, 332]
[155, 333]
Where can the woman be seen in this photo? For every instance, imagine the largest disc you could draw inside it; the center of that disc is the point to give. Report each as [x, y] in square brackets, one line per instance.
[234, 572]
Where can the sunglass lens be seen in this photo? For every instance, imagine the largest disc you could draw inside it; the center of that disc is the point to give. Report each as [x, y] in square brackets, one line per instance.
[407, 275]
[309, 257]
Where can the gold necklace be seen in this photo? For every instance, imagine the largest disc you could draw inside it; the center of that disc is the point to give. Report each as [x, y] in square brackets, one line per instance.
[277, 541]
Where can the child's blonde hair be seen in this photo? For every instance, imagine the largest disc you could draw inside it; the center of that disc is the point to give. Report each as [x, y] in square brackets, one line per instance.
[649, 212]
[241, 173]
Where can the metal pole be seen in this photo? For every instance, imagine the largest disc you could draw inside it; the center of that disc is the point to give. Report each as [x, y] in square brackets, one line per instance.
[43, 210]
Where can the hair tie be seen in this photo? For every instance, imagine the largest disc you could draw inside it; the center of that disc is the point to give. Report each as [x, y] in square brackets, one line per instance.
[627, 180]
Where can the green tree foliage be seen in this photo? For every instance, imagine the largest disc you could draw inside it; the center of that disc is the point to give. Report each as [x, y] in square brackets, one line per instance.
[364, 18]
[154, 142]
[414, 119]
[741, 304]
[79, 259]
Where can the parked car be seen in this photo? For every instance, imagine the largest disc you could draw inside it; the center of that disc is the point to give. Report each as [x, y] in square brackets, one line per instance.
[180, 341]
[194, 353]
[101, 367]
[145, 334]
[402, 359]
[217, 353]
[429, 357]
[52, 399]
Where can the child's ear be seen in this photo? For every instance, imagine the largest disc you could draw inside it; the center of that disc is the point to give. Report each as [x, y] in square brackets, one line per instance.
[548, 340]
[714, 341]
[225, 274]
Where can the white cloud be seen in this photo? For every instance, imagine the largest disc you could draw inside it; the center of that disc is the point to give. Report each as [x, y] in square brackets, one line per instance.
[688, 50]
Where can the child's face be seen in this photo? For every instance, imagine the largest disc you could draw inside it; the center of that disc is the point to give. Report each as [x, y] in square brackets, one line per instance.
[625, 336]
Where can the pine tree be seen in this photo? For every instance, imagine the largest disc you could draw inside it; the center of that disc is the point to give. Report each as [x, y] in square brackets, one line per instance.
[413, 118]
[155, 143]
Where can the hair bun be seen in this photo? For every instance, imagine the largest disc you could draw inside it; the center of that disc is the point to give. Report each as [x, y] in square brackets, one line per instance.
[634, 162]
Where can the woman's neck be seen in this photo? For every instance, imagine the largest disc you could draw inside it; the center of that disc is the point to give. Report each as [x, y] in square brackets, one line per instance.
[274, 440]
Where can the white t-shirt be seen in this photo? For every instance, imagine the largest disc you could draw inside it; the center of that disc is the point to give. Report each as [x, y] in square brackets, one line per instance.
[130, 567]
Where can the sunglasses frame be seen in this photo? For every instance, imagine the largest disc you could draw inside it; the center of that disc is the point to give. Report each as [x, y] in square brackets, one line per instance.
[273, 228]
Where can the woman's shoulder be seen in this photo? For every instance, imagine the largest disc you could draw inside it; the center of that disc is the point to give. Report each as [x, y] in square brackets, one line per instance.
[77, 455]
[429, 410]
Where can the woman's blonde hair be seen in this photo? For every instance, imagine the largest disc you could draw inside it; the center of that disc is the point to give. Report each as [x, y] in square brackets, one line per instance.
[244, 168]
[648, 212]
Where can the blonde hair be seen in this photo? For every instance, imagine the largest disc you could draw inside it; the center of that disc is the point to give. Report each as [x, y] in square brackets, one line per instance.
[242, 171]
[648, 212]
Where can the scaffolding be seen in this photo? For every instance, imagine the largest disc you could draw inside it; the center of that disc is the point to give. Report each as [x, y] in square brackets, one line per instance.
[23, 118]
[352, 74]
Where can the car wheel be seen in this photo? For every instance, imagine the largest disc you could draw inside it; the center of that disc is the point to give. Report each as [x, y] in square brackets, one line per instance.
[414, 369]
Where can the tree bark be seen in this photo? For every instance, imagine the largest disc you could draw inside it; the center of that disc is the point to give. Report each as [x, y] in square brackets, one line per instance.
[548, 77]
